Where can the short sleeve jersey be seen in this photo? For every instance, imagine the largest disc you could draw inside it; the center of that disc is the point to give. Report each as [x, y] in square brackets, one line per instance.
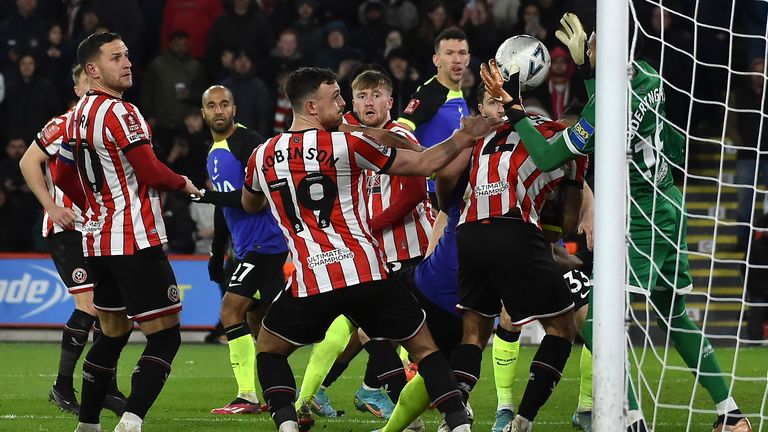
[313, 181]
[434, 113]
[227, 160]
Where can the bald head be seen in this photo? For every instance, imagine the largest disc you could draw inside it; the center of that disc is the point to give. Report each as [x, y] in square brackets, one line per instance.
[218, 109]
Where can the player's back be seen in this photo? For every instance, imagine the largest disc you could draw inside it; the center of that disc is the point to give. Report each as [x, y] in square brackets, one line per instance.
[314, 183]
[122, 214]
[503, 177]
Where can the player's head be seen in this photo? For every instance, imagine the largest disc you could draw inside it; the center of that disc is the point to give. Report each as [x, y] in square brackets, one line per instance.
[592, 51]
[451, 54]
[571, 113]
[487, 106]
[314, 93]
[104, 58]
[80, 78]
[372, 98]
[218, 109]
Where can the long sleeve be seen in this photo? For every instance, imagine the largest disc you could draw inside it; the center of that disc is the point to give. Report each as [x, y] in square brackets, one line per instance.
[150, 171]
[220, 233]
[414, 189]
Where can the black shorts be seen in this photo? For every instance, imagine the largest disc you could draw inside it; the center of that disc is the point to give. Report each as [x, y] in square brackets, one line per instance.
[384, 309]
[506, 261]
[67, 253]
[580, 285]
[258, 276]
[143, 284]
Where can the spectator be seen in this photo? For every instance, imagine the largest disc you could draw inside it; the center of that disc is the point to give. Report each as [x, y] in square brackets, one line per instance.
[393, 41]
[124, 18]
[53, 64]
[338, 49]
[344, 76]
[753, 136]
[30, 102]
[23, 31]
[242, 28]
[402, 15]
[370, 37]
[254, 107]
[18, 193]
[284, 57]
[482, 34]
[433, 22]
[307, 28]
[283, 110]
[172, 82]
[12, 238]
[193, 16]
[505, 15]
[529, 22]
[405, 80]
[563, 85]
[188, 154]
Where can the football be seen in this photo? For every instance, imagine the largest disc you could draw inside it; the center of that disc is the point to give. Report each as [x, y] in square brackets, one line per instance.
[529, 54]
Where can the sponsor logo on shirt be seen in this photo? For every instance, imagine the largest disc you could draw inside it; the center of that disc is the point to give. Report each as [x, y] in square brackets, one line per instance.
[412, 105]
[491, 189]
[330, 257]
[581, 132]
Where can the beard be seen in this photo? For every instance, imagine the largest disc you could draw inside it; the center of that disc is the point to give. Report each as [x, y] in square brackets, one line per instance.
[220, 129]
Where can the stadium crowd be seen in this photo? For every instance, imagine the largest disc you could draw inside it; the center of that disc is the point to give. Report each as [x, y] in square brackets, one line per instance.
[180, 47]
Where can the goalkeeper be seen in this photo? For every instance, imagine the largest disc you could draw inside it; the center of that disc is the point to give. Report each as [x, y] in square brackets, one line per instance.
[658, 256]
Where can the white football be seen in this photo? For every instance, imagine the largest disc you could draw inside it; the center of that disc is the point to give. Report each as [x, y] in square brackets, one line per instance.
[530, 55]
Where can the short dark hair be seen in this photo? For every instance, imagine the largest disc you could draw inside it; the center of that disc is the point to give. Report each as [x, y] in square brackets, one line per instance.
[480, 92]
[305, 81]
[89, 48]
[450, 33]
[372, 79]
[178, 34]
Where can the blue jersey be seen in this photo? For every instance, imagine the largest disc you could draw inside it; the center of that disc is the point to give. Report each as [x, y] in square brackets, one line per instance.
[433, 114]
[226, 168]
[436, 275]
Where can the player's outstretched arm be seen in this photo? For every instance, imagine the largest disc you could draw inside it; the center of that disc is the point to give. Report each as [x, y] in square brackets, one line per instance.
[447, 178]
[30, 164]
[410, 163]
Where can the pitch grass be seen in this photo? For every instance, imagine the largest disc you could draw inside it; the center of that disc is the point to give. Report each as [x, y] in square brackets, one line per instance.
[202, 379]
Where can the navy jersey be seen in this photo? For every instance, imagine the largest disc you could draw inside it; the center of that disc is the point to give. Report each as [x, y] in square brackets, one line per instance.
[433, 114]
[227, 160]
[436, 275]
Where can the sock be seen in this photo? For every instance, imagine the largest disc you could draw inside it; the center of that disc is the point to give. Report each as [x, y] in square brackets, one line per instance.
[131, 419]
[73, 340]
[242, 357]
[691, 344]
[370, 378]
[152, 370]
[98, 372]
[337, 369]
[323, 355]
[443, 390]
[546, 370]
[413, 401]
[466, 361]
[96, 330]
[506, 347]
[389, 369]
[403, 353]
[585, 381]
[278, 385]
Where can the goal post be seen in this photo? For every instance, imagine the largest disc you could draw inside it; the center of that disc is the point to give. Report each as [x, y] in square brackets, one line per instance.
[610, 214]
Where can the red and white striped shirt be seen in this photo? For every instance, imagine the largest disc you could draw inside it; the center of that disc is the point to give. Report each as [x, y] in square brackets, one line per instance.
[49, 140]
[409, 237]
[503, 176]
[314, 183]
[122, 215]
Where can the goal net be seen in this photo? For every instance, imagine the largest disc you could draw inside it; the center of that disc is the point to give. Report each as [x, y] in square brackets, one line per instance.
[710, 56]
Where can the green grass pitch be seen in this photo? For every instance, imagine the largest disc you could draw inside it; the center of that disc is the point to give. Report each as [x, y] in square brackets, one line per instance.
[202, 379]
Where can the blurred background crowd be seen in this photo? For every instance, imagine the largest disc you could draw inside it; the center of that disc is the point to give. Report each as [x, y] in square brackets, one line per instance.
[179, 47]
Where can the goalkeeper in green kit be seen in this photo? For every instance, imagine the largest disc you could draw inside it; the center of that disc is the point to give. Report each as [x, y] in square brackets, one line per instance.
[658, 255]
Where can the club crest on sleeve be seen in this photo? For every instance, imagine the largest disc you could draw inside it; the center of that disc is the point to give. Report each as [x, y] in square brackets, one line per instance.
[131, 122]
[412, 105]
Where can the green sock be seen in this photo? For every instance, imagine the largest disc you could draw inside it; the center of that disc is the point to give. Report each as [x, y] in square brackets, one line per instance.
[585, 380]
[688, 340]
[323, 356]
[505, 355]
[242, 357]
[413, 401]
[403, 354]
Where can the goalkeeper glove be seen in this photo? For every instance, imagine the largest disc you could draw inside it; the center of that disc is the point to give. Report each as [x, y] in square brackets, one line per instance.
[216, 268]
[574, 37]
